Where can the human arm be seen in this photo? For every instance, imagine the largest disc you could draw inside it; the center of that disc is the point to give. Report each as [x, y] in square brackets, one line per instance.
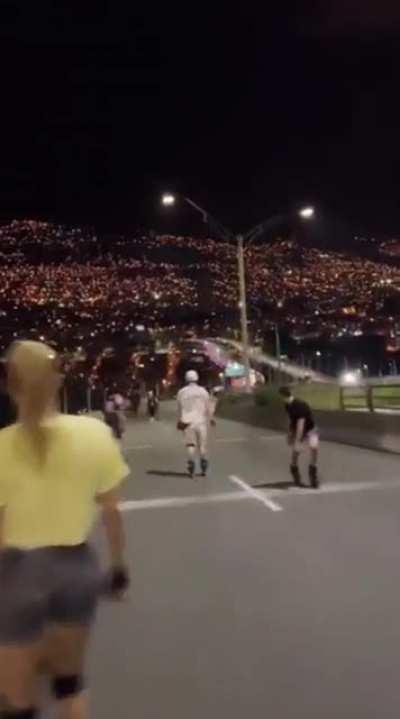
[113, 526]
[180, 424]
[117, 579]
[179, 407]
[112, 471]
[210, 408]
[1, 526]
[3, 503]
[213, 406]
[299, 433]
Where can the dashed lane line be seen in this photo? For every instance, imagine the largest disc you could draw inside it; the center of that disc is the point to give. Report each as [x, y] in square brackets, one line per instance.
[266, 437]
[132, 505]
[249, 492]
[230, 440]
[333, 488]
[137, 447]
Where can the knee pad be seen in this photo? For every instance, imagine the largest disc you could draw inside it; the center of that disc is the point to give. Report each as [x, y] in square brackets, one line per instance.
[66, 687]
[18, 713]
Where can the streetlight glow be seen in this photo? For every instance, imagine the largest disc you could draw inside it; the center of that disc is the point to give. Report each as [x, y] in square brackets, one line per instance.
[307, 213]
[350, 378]
[168, 199]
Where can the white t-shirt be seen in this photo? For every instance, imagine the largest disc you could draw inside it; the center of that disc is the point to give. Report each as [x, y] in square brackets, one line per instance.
[194, 404]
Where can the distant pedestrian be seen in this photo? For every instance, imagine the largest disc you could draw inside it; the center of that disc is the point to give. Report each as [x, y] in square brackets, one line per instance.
[135, 401]
[301, 430]
[215, 395]
[152, 405]
[195, 413]
[114, 415]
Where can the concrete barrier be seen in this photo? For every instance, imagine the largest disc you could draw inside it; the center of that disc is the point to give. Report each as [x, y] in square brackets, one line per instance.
[360, 429]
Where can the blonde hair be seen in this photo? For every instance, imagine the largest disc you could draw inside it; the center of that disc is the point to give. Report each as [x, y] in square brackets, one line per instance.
[33, 383]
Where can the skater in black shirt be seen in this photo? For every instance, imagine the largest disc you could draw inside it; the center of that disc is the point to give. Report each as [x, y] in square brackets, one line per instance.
[301, 429]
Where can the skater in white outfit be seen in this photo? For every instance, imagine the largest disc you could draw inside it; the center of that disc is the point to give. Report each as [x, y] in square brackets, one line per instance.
[195, 414]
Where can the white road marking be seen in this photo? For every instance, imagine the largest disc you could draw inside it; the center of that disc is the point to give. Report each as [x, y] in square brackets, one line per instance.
[135, 447]
[335, 488]
[132, 505]
[256, 494]
[271, 436]
[230, 440]
[261, 495]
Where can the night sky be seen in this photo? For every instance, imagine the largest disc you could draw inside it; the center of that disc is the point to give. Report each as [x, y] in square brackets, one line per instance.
[248, 111]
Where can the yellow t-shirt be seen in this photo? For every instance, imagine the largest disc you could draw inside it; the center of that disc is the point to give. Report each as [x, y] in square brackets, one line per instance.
[53, 501]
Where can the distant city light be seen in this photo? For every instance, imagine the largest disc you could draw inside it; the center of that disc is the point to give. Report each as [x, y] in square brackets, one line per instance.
[168, 199]
[307, 213]
[349, 378]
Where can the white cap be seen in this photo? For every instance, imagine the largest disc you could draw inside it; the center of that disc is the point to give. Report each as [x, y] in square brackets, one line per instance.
[191, 376]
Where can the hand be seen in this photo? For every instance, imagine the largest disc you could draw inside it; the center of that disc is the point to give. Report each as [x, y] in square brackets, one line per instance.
[296, 445]
[213, 422]
[117, 583]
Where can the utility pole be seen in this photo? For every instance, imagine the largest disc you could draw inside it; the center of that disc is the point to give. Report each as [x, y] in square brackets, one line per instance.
[278, 350]
[243, 311]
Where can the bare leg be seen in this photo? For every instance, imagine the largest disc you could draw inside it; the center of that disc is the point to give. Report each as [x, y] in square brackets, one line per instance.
[313, 457]
[65, 652]
[203, 448]
[313, 472]
[294, 468]
[191, 450]
[19, 675]
[295, 458]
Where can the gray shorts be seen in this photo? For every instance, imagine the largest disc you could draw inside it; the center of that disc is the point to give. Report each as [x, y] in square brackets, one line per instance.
[41, 587]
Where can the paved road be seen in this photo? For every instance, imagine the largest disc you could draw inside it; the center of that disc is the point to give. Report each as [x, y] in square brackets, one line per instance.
[281, 604]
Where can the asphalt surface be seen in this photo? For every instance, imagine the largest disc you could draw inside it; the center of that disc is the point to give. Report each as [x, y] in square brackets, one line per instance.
[282, 604]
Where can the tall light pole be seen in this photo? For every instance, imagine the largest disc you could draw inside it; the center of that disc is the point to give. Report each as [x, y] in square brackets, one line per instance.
[243, 242]
[243, 311]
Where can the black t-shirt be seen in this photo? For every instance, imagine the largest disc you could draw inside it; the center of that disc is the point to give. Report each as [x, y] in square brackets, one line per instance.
[297, 409]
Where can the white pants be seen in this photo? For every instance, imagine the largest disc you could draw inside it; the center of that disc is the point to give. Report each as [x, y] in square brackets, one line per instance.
[196, 438]
[313, 439]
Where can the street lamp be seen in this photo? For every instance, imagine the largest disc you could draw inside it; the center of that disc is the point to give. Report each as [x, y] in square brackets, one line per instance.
[243, 242]
[306, 213]
[168, 199]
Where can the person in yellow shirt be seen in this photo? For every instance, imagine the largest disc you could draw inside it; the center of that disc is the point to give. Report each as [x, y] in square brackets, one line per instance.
[56, 471]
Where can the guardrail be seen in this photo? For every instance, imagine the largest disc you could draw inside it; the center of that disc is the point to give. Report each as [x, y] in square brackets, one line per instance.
[370, 398]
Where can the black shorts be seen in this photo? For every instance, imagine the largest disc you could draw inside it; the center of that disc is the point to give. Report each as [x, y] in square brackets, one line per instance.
[46, 586]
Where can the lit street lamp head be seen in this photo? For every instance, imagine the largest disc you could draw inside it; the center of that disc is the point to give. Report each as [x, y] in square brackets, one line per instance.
[167, 199]
[307, 213]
